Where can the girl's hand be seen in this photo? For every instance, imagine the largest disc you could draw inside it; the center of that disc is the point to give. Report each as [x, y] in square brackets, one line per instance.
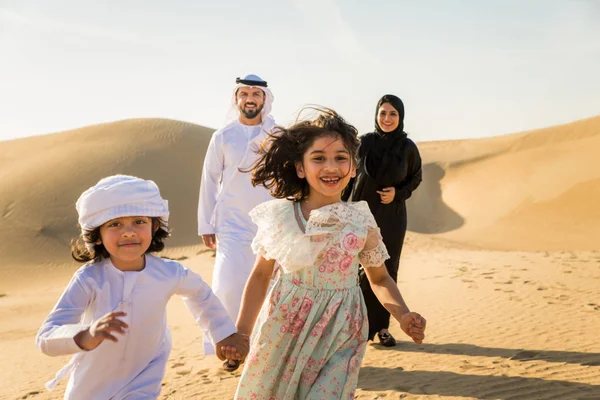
[387, 194]
[101, 330]
[413, 324]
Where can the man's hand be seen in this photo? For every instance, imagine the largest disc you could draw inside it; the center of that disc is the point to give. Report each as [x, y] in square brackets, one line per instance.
[210, 240]
[101, 330]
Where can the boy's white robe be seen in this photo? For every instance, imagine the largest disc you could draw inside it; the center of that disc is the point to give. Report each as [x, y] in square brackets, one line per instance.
[134, 366]
[226, 198]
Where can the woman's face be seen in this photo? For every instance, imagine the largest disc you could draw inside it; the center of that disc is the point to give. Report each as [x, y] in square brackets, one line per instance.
[388, 117]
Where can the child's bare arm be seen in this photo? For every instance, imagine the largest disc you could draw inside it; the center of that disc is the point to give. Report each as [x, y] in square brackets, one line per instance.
[389, 296]
[254, 294]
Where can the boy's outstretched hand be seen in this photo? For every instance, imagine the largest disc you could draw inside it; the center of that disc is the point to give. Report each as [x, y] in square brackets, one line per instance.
[102, 329]
[234, 347]
[413, 324]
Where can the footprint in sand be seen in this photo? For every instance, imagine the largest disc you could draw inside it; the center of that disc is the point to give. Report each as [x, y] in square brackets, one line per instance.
[488, 275]
[2, 294]
[593, 306]
[178, 364]
[468, 366]
[542, 288]
[31, 394]
[183, 372]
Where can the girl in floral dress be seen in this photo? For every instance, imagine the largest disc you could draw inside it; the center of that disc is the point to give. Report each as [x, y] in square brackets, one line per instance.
[310, 337]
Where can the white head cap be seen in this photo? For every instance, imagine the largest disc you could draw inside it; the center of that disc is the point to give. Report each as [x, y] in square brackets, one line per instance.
[120, 196]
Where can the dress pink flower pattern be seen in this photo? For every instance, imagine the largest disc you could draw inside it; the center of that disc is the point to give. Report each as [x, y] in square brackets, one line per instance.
[311, 334]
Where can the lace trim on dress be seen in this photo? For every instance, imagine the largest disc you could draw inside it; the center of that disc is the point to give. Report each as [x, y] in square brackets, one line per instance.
[280, 234]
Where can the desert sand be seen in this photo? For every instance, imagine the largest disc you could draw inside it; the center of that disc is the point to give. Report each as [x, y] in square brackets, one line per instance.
[502, 257]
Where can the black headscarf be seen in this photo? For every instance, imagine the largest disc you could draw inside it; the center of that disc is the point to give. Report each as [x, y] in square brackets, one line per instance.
[395, 102]
[379, 147]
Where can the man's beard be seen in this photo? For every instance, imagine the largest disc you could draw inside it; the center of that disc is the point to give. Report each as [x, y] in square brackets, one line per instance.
[251, 114]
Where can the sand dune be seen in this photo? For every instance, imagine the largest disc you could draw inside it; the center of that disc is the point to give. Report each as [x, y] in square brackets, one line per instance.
[42, 177]
[503, 259]
[529, 191]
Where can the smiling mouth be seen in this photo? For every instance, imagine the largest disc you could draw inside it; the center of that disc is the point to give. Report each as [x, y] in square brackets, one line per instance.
[330, 181]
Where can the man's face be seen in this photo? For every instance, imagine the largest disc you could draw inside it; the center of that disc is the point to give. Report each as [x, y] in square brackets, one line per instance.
[250, 101]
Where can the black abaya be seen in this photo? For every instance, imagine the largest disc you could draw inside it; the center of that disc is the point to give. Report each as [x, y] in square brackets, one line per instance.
[386, 159]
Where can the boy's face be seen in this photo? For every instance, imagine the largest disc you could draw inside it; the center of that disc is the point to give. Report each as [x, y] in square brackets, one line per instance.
[126, 239]
[327, 167]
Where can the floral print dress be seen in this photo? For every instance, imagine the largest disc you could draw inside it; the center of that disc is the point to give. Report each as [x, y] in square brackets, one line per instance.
[311, 334]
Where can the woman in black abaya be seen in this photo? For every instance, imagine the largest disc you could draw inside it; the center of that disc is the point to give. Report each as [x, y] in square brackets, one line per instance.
[389, 170]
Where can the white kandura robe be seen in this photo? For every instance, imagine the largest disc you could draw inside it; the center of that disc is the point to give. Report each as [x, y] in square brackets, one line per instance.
[226, 198]
[133, 367]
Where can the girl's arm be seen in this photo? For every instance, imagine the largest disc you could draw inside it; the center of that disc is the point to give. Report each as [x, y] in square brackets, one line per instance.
[254, 294]
[389, 296]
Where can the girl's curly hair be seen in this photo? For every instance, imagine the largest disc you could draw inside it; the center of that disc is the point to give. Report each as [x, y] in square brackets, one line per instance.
[275, 168]
[80, 252]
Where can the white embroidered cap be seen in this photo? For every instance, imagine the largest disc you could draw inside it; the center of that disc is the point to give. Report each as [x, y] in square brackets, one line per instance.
[120, 196]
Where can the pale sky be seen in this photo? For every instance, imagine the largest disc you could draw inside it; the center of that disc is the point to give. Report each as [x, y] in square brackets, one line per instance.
[464, 69]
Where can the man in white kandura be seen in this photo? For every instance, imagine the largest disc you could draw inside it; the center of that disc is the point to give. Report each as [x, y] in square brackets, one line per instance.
[226, 194]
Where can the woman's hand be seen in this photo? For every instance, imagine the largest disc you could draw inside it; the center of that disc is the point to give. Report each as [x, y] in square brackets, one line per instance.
[387, 194]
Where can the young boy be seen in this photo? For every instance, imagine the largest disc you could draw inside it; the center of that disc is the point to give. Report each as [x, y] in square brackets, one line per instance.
[112, 315]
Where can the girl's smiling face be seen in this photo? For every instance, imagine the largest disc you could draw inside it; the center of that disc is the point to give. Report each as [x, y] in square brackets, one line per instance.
[327, 167]
[127, 239]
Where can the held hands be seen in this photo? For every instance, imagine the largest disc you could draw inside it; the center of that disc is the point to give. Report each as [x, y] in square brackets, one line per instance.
[234, 347]
[387, 194]
[210, 240]
[413, 324]
[101, 330]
